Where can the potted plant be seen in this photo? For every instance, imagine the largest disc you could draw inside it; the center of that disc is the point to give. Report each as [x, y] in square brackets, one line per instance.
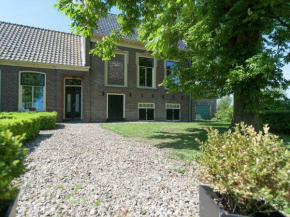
[249, 173]
[32, 109]
[12, 165]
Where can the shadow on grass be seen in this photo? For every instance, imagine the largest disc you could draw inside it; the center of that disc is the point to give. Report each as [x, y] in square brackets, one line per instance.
[186, 140]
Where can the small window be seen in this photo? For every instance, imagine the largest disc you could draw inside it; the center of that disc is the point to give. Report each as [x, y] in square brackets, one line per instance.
[172, 112]
[32, 89]
[73, 82]
[146, 111]
[146, 72]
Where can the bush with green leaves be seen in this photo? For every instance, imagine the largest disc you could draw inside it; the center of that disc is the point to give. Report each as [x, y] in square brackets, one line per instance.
[250, 170]
[47, 120]
[12, 165]
[27, 122]
[279, 121]
[225, 114]
[19, 123]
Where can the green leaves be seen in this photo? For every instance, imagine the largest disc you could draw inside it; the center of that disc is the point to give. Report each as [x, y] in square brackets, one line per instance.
[12, 165]
[246, 167]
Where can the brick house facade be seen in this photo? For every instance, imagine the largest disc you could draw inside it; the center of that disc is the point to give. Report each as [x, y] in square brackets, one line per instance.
[82, 86]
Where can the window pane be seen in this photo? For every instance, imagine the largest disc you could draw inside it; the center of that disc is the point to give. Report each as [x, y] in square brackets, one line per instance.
[32, 79]
[176, 114]
[149, 77]
[150, 114]
[142, 114]
[26, 97]
[169, 114]
[148, 62]
[38, 98]
[73, 82]
[142, 76]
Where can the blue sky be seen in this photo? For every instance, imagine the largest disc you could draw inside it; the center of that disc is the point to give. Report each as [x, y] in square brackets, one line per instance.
[41, 13]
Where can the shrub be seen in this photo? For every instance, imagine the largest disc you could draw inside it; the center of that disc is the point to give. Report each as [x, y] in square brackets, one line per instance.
[279, 121]
[225, 114]
[47, 120]
[12, 165]
[251, 170]
[20, 123]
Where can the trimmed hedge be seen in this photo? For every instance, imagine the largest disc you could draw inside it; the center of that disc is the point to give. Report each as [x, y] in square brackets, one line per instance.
[279, 121]
[47, 120]
[27, 122]
[20, 123]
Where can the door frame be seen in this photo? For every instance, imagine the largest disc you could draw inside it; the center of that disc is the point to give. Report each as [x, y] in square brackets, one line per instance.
[64, 96]
[107, 109]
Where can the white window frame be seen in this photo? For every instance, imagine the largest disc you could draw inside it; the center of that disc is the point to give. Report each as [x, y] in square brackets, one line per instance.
[82, 94]
[144, 105]
[20, 90]
[126, 61]
[173, 106]
[124, 104]
[146, 55]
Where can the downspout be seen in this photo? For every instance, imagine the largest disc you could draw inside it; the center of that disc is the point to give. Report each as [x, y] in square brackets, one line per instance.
[189, 103]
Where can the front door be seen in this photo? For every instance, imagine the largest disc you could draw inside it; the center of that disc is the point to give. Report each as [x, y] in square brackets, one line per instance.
[72, 103]
[115, 107]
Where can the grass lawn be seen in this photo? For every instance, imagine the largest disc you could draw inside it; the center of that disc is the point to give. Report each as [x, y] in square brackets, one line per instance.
[179, 137]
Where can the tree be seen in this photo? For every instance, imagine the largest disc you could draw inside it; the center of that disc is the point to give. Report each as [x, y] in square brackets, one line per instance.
[225, 109]
[224, 103]
[235, 46]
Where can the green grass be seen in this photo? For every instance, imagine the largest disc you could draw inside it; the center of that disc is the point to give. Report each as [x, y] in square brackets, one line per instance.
[178, 137]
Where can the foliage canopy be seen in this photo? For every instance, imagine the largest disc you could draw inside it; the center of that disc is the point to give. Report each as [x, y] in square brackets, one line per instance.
[235, 47]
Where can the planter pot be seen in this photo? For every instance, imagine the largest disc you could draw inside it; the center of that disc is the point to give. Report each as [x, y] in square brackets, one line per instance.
[32, 109]
[208, 207]
[11, 211]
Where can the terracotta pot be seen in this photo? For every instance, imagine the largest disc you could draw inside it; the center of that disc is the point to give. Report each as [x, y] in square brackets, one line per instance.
[32, 109]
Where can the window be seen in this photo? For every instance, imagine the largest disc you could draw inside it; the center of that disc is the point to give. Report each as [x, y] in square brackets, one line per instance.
[172, 112]
[32, 91]
[170, 67]
[116, 70]
[146, 72]
[146, 111]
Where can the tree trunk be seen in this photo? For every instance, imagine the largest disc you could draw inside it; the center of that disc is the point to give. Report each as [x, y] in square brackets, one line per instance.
[240, 115]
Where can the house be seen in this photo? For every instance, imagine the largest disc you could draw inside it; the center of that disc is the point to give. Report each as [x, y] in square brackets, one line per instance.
[53, 71]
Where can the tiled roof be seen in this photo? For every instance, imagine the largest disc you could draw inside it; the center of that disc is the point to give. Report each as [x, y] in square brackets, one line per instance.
[30, 44]
[106, 25]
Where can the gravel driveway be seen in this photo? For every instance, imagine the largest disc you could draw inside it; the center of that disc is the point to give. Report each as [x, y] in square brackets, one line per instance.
[83, 170]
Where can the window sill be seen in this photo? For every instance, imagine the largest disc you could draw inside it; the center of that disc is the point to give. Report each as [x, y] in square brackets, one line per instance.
[149, 88]
[108, 85]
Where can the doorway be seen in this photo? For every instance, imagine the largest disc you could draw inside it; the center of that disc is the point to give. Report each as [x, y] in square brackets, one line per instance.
[116, 107]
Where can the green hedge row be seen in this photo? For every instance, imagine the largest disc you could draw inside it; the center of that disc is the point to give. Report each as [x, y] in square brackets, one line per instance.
[27, 122]
[279, 121]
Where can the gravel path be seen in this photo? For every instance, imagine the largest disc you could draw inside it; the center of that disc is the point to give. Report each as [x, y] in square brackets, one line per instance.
[83, 170]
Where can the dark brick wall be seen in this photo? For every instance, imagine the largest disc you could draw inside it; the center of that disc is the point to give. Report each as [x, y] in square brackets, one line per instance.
[95, 92]
[133, 95]
[54, 88]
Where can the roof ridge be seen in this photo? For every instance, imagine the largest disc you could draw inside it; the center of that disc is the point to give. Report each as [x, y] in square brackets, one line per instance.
[33, 27]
